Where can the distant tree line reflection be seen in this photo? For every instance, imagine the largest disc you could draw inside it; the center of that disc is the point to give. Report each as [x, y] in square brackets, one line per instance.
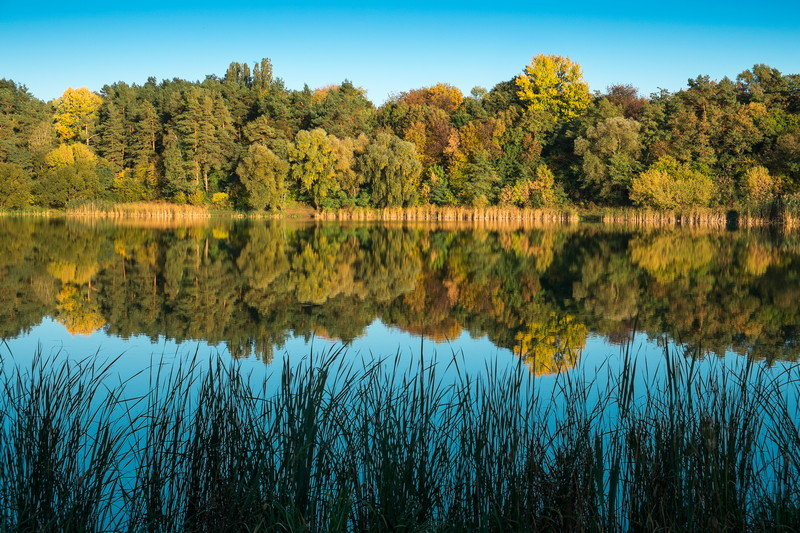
[539, 293]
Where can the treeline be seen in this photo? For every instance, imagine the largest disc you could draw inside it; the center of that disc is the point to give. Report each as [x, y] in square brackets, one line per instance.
[538, 293]
[541, 139]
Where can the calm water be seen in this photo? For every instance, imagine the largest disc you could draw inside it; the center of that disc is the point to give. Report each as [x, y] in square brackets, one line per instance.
[553, 298]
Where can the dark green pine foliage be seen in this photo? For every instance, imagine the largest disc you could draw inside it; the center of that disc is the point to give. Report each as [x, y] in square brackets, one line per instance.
[116, 125]
[20, 116]
[201, 140]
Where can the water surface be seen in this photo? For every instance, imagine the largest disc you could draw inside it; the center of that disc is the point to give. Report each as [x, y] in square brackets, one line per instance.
[552, 298]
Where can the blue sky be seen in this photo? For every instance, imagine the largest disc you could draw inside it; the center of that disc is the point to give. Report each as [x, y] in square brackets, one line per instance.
[390, 47]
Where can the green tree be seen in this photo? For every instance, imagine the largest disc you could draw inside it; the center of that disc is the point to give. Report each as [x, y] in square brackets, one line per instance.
[68, 183]
[342, 111]
[313, 165]
[20, 116]
[15, 187]
[478, 181]
[610, 152]
[263, 175]
[202, 136]
[391, 167]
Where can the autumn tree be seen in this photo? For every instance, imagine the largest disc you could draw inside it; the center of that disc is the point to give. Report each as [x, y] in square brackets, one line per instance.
[442, 95]
[554, 84]
[628, 99]
[263, 175]
[76, 114]
[670, 184]
[758, 186]
[537, 190]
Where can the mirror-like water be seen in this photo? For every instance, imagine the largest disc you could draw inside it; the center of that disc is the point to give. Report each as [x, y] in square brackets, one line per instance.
[255, 289]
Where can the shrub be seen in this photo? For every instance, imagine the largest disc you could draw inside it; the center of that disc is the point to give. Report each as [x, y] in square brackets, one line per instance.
[197, 197]
[670, 184]
[221, 200]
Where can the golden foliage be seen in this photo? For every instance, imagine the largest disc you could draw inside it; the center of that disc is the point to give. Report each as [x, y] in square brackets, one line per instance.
[69, 154]
[759, 185]
[441, 95]
[670, 184]
[671, 256]
[554, 84]
[69, 272]
[76, 114]
[552, 345]
[77, 313]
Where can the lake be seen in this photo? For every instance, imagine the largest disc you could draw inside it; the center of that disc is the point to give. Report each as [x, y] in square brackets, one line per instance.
[295, 375]
[550, 297]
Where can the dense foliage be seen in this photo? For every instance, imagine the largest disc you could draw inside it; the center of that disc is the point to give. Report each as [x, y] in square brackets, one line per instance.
[540, 139]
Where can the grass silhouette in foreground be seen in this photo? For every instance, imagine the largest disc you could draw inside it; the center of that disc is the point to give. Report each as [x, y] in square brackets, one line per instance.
[391, 445]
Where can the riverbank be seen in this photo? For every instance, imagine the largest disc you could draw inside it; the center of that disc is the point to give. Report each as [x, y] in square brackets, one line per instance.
[491, 216]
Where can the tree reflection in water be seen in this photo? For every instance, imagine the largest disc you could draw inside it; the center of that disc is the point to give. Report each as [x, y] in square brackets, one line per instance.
[537, 292]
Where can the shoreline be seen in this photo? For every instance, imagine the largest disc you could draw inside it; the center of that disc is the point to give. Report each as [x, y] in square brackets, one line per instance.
[712, 218]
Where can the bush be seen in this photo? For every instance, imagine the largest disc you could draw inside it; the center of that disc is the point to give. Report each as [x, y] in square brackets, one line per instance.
[670, 184]
[197, 197]
[221, 200]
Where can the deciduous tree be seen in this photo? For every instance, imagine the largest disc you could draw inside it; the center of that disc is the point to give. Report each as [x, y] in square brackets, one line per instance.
[263, 175]
[554, 84]
[76, 114]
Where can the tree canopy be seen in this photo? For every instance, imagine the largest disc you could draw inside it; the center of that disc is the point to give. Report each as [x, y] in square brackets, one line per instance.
[539, 138]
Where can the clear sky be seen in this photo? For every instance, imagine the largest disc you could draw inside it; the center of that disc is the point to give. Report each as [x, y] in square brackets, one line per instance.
[390, 47]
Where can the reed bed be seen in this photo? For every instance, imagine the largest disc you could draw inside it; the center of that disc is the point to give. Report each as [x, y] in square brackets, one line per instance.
[738, 217]
[430, 213]
[393, 446]
[138, 210]
[697, 217]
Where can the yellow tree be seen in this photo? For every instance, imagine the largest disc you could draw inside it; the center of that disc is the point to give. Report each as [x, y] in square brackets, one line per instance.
[551, 345]
[65, 155]
[76, 114]
[554, 84]
[759, 186]
[441, 95]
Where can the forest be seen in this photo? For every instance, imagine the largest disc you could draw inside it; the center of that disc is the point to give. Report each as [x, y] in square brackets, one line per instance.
[245, 141]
